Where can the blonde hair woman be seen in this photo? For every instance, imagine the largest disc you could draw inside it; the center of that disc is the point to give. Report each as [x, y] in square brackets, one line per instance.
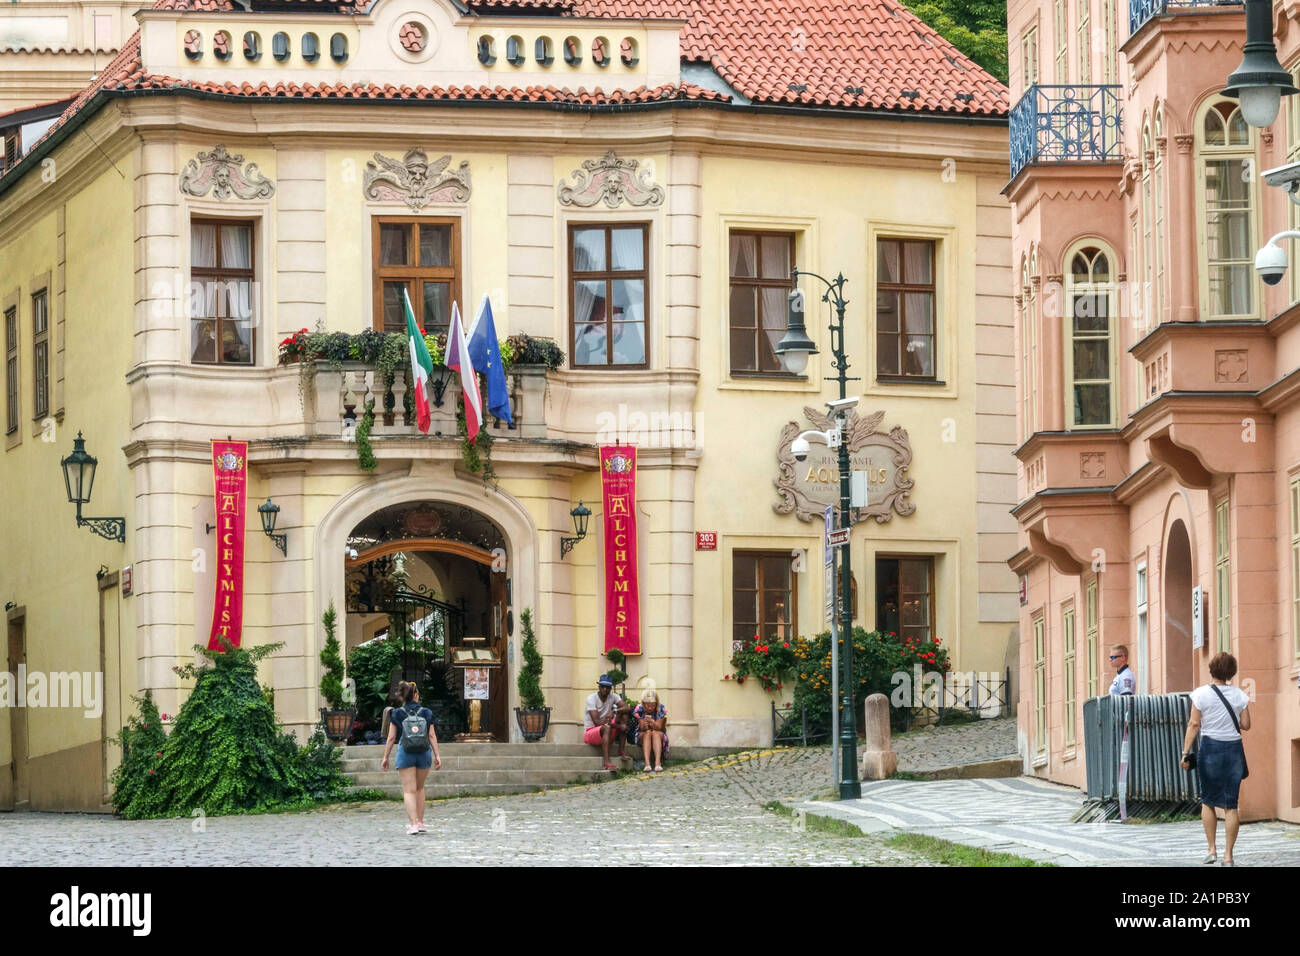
[650, 727]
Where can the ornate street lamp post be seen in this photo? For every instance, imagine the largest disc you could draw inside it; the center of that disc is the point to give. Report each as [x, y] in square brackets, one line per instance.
[79, 479]
[1259, 81]
[794, 350]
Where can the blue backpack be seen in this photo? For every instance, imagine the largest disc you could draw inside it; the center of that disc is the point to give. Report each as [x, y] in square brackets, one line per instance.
[415, 731]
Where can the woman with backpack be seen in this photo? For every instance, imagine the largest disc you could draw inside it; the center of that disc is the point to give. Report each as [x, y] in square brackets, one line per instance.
[411, 728]
[1219, 714]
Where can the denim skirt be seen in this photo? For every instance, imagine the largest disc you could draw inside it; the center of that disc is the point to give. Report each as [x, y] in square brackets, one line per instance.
[423, 761]
[1221, 764]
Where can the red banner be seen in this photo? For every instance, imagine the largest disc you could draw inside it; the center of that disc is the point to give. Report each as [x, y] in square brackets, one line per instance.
[618, 491]
[230, 487]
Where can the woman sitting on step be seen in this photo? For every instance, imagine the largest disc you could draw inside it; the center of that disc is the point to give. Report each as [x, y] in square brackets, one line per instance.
[650, 729]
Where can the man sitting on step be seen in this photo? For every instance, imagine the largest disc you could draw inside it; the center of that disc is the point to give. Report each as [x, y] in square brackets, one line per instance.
[606, 720]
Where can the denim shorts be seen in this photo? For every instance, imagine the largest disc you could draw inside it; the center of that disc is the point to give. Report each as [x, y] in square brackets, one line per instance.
[421, 761]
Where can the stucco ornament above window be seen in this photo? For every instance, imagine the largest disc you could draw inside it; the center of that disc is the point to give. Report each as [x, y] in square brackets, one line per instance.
[415, 181]
[807, 487]
[613, 181]
[220, 173]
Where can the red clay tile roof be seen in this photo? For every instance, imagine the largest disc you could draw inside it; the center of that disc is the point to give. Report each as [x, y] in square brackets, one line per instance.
[852, 54]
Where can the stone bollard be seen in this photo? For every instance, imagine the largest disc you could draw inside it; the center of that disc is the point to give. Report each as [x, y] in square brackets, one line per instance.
[878, 757]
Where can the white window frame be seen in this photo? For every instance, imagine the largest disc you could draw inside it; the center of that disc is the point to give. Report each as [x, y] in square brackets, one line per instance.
[1140, 591]
[1069, 674]
[1082, 37]
[1295, 565]
[1110, 290]
[1091, 633]
[1242, 160]
[1061, 31]
[1040, 685]
[1222, 576]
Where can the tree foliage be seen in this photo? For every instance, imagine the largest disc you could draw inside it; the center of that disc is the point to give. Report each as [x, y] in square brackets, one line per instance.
[977, 28]
[529, 681]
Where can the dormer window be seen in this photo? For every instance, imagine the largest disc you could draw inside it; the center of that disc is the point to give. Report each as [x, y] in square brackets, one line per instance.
[280, 47]
[310, 47]
[572, 51]
[252, 47]
[338, 48]
[487, 50]
[544, 51]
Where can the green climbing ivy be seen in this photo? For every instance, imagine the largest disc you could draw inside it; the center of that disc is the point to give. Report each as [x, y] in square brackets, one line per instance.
[365, 453]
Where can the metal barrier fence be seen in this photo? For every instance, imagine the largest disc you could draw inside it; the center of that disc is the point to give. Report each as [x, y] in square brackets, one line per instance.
[1157, 724]
[790, 725]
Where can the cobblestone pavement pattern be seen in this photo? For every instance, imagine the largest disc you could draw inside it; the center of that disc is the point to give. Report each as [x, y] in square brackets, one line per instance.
[934, 747]
[1030, 818]
[708, 813]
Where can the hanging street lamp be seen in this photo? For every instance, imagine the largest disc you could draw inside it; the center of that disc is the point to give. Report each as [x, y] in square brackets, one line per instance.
[269, 513]
[580, 516]
[79, 479]
[1259, 82]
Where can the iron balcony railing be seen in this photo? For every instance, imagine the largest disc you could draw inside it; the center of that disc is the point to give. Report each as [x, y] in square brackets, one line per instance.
[1140, 11]
[1066, 124]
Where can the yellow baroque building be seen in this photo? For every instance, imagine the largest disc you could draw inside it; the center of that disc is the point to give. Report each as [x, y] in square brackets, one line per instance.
[632, 185]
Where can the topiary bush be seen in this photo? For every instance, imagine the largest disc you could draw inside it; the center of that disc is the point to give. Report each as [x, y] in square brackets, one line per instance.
[331, 682]
[529, 681]
[225, 753]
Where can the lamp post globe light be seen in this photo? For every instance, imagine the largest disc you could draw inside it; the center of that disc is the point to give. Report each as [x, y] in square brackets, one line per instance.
[794, 349]
[1259, 82]
[269, 513]
[78, 479]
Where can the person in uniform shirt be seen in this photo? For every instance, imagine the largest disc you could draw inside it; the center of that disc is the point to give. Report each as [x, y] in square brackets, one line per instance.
[1125, 681]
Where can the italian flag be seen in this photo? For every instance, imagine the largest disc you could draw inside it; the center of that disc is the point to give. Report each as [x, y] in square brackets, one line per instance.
[458, 359]
[421, 367]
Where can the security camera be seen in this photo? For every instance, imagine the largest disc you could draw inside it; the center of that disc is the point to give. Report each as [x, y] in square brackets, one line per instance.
[351, 553]
[1286, 178]
[843, 403]
[1270, 263]
[799, 448]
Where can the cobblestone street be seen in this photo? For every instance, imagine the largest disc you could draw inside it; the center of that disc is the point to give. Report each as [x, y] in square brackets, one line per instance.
[707, 813]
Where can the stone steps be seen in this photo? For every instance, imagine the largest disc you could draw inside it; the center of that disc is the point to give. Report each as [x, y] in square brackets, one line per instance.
[478, 778]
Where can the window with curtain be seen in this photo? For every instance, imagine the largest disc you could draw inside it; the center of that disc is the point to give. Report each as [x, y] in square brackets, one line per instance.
[759, 274]
[608, 280]
[905, 309]
[1083, 39]
[11, 371]
[1089, 356]
[421, 257]
[1040, 688]
[41, 354]
[1227, 164]
[1222, 578]
[1068, 674]
[763, 593]
[221, 299]
[905, 596]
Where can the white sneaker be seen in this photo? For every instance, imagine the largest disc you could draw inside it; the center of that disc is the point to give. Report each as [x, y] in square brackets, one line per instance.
[412, 830]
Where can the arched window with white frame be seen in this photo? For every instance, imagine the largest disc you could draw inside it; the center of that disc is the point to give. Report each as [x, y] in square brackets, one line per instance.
[1226, 167]
[1090, 293]
[1029, 343]
[1158, 210]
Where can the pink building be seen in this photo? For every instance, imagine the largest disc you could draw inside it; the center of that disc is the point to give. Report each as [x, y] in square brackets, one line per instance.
[1158, 377]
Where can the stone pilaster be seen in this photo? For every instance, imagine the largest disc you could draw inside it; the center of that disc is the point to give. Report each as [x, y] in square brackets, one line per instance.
[301, 280]
[533, 250]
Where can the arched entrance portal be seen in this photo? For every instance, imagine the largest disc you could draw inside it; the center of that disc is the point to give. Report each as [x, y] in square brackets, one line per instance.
[1177, 631]
[427, 578]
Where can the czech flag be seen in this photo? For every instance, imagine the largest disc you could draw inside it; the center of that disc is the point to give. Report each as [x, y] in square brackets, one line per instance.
[459, 360]
[421, 367]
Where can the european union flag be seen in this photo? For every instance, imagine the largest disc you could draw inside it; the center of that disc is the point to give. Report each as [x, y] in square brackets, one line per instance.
[485, 353]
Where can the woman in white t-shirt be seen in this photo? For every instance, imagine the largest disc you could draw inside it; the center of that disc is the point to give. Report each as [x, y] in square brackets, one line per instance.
[1219, 714]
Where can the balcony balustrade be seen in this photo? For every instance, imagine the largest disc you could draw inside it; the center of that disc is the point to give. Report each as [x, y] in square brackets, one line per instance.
[338, 396]
[1066, 124]
[1140, 11]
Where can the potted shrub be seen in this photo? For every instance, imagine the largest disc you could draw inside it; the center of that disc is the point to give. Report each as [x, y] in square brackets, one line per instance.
[532, 714]
[616, 673]
[335, 718]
